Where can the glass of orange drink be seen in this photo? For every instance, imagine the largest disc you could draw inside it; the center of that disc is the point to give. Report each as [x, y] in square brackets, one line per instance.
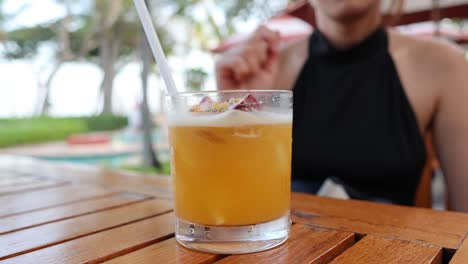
[231, 167]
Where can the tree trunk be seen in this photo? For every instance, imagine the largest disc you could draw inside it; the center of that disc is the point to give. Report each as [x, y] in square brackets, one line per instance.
[99, 99]
[150, 159]
[45, 103]
[109, 45]
[107, 64]
[65, 54]
[162, 100]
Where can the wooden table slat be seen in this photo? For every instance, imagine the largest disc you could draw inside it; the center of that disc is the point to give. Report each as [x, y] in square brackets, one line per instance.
[11, 189]
[441, 228]
[159, 186]
[35, 218]
[13, 179]
[24, 202]
[45, 235]
[104, 245]
[79, 224]
[461, 256]
[167, 252]
[372, 249]
[306, 245]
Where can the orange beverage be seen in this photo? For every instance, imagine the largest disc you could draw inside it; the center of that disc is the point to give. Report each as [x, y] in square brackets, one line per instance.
[232, 174]
[231, 169]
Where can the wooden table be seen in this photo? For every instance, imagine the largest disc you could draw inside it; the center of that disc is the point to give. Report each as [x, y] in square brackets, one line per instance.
[61, 213]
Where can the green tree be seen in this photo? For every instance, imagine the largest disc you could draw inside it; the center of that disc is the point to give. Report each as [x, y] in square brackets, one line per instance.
[110, 16]
[150, 159]
[2, 21]
[207, 29]
[24, 42]
[116, 31]
[105, 34]
[195, 78]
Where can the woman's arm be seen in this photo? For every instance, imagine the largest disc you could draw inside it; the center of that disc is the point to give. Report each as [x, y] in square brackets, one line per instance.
[451, 124]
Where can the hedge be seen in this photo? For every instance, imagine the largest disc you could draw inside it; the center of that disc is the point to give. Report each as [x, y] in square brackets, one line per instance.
[17, 131]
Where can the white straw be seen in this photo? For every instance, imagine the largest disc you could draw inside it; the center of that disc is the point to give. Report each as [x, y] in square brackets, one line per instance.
[155, 45]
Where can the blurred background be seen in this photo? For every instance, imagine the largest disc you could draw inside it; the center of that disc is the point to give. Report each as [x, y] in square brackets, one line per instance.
[78, 82]
[83, 57]
[72, 67]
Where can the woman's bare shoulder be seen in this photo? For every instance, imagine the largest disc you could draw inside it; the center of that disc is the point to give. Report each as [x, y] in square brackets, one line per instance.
[428, 53]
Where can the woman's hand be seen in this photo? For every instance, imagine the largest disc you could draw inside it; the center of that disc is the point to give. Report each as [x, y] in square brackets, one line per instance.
[251, 65]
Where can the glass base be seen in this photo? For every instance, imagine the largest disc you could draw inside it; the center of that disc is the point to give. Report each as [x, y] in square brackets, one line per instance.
[233, 239]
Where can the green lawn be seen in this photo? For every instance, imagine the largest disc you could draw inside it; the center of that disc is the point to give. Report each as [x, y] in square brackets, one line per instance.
[19, 131]
[166, 169]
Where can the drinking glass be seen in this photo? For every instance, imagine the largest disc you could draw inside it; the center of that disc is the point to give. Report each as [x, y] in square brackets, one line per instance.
[231, 167]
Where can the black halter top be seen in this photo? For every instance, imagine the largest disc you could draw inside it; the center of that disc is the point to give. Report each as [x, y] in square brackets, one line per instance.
[353, 123]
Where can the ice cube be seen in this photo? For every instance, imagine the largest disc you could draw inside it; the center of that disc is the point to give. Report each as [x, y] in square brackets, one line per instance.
[248, 103]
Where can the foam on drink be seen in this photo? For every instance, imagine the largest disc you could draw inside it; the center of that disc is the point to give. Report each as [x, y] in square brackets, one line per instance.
[231, 118]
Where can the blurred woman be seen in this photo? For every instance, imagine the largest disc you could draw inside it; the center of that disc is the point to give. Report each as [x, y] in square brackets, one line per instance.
[364, 97]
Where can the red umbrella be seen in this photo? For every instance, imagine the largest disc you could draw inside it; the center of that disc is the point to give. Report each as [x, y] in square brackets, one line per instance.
[448, 31]
[399, 13]
[297, 21]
